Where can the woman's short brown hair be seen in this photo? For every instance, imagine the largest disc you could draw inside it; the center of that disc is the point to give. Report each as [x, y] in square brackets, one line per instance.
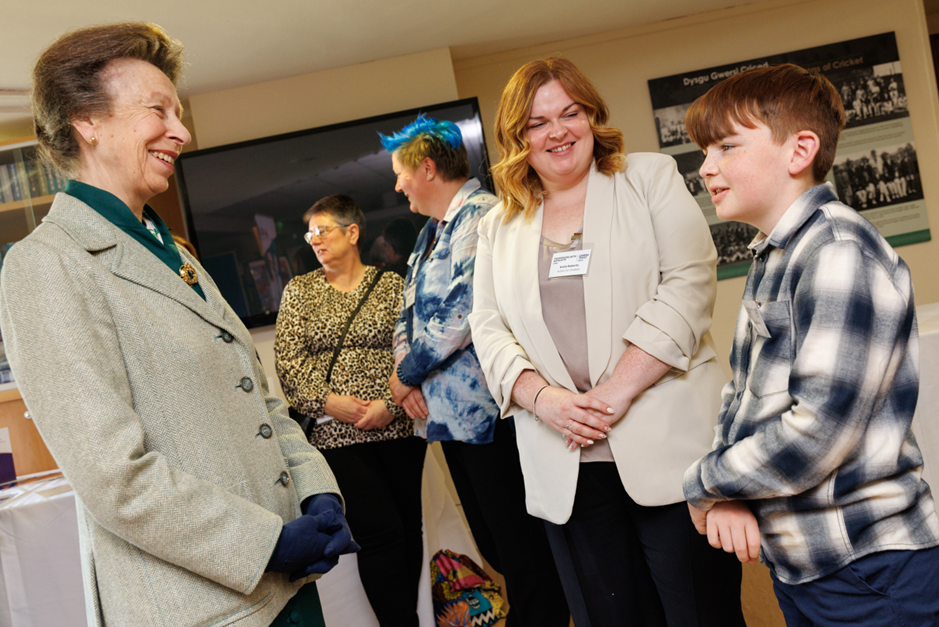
[518, 184]
[68, 80]
[343, 209]
[784, 98]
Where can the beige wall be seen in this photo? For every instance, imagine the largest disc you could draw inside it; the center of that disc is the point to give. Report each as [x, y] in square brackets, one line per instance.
[621, 63]
[322, 98]
[319, 99]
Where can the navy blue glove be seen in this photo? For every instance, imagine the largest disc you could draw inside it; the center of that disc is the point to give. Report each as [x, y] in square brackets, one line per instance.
[313, 543]
[319, 503]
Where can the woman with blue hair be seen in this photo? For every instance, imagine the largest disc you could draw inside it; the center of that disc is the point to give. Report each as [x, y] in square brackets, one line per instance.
[438, 379]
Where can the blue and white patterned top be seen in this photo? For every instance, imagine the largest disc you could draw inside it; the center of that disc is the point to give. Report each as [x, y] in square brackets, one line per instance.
[815, 425]
[433, 333]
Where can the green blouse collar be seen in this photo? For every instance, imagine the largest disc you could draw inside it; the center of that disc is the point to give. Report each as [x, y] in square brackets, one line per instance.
[115, 211]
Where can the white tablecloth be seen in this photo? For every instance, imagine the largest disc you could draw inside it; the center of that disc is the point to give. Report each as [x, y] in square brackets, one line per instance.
[926, 419]
[40, 569]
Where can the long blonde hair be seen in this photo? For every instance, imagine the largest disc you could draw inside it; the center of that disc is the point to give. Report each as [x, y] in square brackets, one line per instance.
[519, 185]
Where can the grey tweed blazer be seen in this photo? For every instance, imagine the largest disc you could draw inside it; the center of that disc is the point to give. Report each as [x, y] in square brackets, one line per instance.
[155, 406]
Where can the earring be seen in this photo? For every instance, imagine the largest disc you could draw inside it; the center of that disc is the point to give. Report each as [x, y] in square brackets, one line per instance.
[94, 141]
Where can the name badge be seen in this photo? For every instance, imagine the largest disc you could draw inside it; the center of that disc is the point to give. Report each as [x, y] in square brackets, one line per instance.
[569, 263]
[756, 318]
[409, 295]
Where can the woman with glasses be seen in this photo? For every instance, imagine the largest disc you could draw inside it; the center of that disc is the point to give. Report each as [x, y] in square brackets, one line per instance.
[333, 356]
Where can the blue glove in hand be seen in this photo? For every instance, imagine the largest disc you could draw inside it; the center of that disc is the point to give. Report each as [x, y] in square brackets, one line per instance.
[313, 543]
[342, 539]
[319, 503]
[342, 542]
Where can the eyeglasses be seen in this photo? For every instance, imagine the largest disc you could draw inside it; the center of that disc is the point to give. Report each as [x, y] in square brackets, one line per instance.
[319, 232]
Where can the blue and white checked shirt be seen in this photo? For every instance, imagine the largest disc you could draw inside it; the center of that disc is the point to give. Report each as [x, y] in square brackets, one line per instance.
[815, 425]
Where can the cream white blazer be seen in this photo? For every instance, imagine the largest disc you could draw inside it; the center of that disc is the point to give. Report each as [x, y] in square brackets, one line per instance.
[651, 282]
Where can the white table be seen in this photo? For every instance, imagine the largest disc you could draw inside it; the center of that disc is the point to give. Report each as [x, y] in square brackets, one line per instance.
[40, 569]
[926, 419]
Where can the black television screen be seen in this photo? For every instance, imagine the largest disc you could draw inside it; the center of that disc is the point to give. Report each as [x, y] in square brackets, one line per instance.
[244, 202]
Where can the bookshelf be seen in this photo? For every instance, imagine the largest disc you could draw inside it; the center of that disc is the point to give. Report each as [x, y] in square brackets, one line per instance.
[26, 190]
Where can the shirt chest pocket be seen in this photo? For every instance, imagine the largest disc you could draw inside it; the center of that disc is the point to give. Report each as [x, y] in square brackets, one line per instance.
[771, 360]
[435, 272]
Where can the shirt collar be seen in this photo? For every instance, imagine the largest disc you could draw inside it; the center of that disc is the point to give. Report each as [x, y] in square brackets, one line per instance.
[112, 208]
[795, 216]
[115, 211]
[468, 188]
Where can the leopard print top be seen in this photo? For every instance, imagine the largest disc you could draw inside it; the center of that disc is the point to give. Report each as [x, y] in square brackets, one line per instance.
[312, 316]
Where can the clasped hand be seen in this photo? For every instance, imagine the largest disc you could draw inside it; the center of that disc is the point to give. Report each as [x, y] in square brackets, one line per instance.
[410, 398]
[580, 418]
[312, 543]
[365, 415]
[729, 525]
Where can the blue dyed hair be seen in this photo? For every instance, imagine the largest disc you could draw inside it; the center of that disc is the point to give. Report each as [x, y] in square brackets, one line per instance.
[428, 138]
[444, 130]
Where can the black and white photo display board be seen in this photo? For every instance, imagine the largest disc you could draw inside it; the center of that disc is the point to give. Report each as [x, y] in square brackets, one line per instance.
[876, 170]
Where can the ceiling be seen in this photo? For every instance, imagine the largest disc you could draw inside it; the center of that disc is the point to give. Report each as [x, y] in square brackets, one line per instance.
[237, 42]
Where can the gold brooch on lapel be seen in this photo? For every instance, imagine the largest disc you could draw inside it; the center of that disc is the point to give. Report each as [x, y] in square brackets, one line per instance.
[188, 274]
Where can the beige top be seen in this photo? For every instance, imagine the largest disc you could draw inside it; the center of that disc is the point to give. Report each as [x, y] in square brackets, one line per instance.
[565, 315]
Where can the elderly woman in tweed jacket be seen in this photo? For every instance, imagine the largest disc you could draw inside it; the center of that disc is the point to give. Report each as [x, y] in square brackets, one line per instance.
[200, 501]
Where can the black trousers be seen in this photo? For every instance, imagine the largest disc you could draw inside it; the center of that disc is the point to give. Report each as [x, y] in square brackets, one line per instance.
[488, 480]
[381, 485]
[625, 564]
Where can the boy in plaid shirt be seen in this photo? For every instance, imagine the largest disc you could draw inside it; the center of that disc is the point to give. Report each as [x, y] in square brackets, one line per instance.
[814, 461]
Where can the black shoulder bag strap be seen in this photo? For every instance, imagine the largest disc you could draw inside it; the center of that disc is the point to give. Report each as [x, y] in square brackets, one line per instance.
[342, 337]
[306, 423]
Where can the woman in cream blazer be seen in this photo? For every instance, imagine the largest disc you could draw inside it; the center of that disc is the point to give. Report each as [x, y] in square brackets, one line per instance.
[631, 300]
[649, 285]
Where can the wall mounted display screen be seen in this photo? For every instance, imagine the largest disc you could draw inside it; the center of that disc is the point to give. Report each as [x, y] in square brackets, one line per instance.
[244, 202]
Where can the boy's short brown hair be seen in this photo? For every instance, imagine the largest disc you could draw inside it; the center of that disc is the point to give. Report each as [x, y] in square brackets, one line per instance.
[785, 98]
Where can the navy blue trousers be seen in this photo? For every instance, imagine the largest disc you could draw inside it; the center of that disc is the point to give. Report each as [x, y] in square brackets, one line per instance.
[886, 589]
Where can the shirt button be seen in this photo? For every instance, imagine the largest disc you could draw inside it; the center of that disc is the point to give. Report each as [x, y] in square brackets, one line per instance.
[227, 337]
[284, 478]
[246, 384]
[294, 617]
[266, 431]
